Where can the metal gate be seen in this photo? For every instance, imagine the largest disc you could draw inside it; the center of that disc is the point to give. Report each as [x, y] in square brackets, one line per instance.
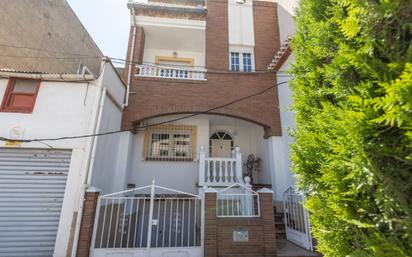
[148, 221]
[32, 185]
[296, 219]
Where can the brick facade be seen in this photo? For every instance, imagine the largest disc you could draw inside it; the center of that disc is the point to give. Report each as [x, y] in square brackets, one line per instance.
[86, 226]
[219, 231]
[158, 97]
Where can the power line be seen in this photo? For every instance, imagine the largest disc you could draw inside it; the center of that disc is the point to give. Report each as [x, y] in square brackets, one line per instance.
[150, 125]
[114, 59]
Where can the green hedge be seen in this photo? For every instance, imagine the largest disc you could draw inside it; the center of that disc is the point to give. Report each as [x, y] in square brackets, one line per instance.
[352, 93]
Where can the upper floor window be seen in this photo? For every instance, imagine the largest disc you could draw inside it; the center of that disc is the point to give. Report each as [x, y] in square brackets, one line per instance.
[234, 61]
[241, 61]
[20, 95]
[170, 143]
[247, 62]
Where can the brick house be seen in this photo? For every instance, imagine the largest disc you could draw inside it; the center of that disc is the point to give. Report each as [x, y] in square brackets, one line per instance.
[204, 163]
[201, 166]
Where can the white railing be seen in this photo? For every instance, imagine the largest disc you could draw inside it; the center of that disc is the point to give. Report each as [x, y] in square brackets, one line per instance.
[237, 201]
[216, 171]
[296, 219]
[184, 73]
[142, 218]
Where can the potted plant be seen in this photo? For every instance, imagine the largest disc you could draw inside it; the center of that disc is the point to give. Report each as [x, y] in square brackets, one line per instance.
[252, 166]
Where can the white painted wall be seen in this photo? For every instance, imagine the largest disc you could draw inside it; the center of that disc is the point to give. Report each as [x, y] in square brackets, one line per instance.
[289, 5]
[149, 55]
[286, 23]
[240, 18]
[105, 165]
[279, 147]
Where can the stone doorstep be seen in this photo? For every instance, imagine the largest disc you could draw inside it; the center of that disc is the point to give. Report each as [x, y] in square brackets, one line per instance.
[286, 248]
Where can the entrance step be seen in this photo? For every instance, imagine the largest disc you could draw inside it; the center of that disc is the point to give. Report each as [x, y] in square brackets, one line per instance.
[285, 248]
[280, 229]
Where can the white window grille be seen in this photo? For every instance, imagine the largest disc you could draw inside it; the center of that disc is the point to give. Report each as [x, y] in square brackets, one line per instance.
[170, 143]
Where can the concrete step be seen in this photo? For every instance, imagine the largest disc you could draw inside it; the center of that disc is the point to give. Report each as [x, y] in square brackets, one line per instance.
[285, 248]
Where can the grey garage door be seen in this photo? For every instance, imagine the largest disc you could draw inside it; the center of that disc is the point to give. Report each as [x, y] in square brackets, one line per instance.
[32, 184]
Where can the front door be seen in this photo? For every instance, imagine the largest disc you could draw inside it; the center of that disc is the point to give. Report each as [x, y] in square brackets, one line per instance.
[221, 148]
[221, 144]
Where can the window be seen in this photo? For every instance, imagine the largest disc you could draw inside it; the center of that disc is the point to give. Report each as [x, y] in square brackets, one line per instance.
[170, 143]
[241, 61]
[247, 62]
[234, 61]
[20, 95]
[174, 67]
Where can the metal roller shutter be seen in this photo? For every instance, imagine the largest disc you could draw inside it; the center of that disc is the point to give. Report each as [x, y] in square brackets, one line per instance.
[32, 184]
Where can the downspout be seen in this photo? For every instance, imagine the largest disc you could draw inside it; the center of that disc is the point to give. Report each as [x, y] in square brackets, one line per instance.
[89, 171]
[129, 75]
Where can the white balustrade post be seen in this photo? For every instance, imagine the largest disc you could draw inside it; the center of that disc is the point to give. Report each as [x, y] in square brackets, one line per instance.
[239, 165]
[202, 166]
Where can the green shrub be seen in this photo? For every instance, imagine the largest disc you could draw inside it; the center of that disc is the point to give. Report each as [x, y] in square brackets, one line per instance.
[352, 93]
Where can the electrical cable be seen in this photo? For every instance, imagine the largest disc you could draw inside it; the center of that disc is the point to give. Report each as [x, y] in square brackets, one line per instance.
[150, 125]
[113, 59]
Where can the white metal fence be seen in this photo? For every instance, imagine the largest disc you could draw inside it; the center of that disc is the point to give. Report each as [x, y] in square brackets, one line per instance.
[140, 219]
[296, 219]
[237, 200]
[157, 71]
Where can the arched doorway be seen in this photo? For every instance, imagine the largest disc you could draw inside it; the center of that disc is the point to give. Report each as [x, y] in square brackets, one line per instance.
[220, 144]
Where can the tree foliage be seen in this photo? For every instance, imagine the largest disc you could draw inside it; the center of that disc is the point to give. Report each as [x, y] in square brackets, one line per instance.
[352, 154]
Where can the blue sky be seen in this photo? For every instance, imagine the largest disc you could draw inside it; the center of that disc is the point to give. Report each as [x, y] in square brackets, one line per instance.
[108, 23]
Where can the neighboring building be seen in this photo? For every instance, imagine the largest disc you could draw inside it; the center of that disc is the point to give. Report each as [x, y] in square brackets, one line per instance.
[49, 89]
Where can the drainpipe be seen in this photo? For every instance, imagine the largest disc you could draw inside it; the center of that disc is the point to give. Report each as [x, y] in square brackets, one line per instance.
[129, 75]
[89, 171]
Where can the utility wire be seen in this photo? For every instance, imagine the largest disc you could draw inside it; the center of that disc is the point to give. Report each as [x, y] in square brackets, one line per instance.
[140, 127]
[114, 59]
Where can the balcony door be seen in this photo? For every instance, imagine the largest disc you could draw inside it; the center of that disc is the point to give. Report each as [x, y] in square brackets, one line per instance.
[221, 144]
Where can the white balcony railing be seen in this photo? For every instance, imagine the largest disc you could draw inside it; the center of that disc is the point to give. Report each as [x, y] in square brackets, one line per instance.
[168, 72]
[216, 171]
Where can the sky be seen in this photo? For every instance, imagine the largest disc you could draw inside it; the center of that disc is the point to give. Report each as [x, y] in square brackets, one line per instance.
[108, 23]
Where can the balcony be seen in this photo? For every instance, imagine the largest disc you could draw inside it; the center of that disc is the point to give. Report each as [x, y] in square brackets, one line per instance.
[168, 72]
[219, 172]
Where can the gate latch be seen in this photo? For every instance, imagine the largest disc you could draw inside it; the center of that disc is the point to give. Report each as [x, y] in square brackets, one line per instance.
[154, 222]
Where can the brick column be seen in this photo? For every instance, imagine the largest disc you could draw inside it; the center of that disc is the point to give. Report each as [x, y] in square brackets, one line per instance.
[87, 223]
[210, 235]
[266, 211]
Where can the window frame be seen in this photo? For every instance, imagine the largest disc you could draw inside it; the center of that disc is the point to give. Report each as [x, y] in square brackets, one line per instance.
[241, 51]
[232, 64]
[249, 65]
[9, 93]
[171, 131]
